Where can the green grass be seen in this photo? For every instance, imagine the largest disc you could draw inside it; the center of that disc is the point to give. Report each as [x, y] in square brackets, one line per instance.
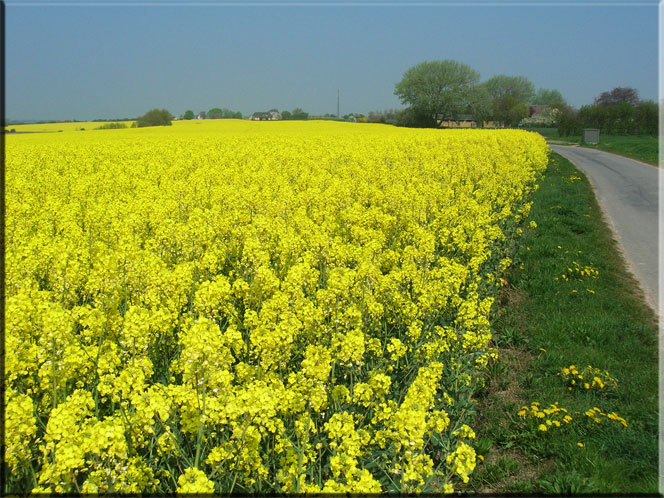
[542, 326]
[642, 147]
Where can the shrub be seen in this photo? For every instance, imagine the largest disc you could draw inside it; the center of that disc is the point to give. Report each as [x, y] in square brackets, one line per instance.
[155, 117]
[568, 123]
[414, 118]
[111, 126]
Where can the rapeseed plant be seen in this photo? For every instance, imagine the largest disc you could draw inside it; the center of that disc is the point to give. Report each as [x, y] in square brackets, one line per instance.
[233, 307]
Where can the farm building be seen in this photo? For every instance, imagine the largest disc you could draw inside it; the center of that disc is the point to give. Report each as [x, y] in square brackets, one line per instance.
[266, 116]
[463, 121]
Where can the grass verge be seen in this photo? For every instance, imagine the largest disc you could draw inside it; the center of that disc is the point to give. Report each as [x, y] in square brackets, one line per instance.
[546, 322]
[641, 147]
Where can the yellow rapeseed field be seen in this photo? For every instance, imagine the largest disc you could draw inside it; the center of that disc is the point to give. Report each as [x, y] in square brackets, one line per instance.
[233, 306]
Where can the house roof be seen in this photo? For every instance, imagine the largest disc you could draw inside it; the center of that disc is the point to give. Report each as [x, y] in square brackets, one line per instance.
[537, 108]
[460, 117]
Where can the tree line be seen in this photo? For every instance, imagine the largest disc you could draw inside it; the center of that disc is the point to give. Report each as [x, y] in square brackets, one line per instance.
[615, 112]
[440, 90]
[214, 113]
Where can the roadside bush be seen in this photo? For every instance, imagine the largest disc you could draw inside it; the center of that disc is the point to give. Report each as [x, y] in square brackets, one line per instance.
[621, 119]
[568, 123]
[646, 118]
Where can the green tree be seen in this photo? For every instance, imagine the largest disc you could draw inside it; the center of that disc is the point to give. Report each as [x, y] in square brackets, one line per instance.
[237, 115]
[518, 87]
[509, 110]
[437, 88]
[215, 113]
[189, 115]
[617, 119]
[568, 121]
[646, 118]
[286, 115]
[516, 113]
[155, 117]
[413, 117]
[622, 116]
[202, 114]
[548, 97]
[481, 106]
[299, 114]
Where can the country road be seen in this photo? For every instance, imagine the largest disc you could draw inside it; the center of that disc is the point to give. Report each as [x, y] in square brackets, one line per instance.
[627, 191]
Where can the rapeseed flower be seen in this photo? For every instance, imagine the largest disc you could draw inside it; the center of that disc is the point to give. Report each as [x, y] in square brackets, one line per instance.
[247, 305]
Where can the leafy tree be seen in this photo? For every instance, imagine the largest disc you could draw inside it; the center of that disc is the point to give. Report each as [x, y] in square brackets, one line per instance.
[215, 113]
[189, 115]
[516, 113]
[155, 117]
[202, 114]
[622, 116]
[299, 114]
[510, 110]
[619, 95]
[595, 116]
[438, 87]
[481, 106]
[237, 115]
[568, 121]
[412, 117]
[646, 118]
[518, 87]
[286, 115]
[612, 120]
[548, 97]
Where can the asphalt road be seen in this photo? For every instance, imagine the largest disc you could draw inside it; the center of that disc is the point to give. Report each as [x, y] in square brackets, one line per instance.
[628, 192]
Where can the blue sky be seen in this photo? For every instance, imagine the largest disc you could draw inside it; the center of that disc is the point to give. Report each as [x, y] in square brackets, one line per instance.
[70, 60]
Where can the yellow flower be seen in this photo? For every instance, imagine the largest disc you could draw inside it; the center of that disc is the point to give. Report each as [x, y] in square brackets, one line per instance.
[189, 296]
[194, 481]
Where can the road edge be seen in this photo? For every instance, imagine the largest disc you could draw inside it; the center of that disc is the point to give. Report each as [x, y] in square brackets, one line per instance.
[651, 300]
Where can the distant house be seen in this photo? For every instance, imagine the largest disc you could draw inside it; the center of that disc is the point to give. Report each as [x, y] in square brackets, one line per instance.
[265, 116]
[541, 115]
[463, 121]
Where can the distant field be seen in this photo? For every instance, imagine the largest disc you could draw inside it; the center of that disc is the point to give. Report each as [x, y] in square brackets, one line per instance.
[58, 127]
[192, 126]
[641, 147]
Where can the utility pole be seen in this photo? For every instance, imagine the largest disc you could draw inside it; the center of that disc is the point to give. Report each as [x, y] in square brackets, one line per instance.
[337, 102]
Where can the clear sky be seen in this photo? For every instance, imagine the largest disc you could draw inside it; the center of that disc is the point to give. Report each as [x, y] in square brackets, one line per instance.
[75, 60]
